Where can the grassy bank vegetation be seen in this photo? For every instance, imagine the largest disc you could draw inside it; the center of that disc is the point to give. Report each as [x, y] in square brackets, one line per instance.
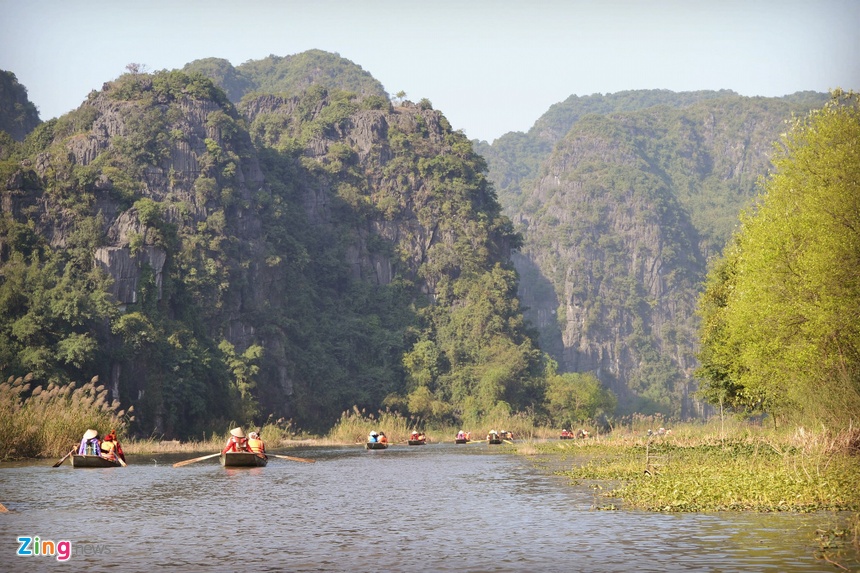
[709, 468]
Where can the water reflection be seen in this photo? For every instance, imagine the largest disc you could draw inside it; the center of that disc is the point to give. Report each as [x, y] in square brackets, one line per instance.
[438, 507]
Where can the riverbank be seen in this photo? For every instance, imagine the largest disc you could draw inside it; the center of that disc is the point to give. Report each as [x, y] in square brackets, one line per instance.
[691, 469]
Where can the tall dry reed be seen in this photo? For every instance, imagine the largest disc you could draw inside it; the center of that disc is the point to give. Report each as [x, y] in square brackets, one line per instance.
[41, 421]
[354, 426]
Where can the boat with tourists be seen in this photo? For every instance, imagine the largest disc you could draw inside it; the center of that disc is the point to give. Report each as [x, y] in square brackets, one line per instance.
[417, 439]
[243, 460]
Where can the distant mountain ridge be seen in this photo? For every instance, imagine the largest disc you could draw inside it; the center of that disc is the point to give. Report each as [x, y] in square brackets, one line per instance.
[621, 200]
[288, 75]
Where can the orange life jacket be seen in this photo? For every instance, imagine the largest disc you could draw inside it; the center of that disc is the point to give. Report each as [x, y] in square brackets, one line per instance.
[256, 445]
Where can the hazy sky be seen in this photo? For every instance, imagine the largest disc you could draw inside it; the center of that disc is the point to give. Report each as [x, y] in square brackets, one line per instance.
[491, 66]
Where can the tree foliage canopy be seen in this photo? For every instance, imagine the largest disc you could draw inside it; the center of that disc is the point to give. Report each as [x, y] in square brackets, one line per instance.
[780, 330]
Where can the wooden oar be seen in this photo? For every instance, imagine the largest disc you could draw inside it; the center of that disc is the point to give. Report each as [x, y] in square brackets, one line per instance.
[200, 459]
[56, 465]
[508, 442]
[295, 459]
[3, 509]
[120, 460]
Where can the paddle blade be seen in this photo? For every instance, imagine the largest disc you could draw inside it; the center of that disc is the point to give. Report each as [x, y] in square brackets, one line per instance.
[59, 463]
[200, 459]
[295, 459]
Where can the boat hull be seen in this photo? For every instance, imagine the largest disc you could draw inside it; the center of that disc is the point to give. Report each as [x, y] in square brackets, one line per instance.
[417, 442]
[375, 446]
[494, 442]
[461, 441]
[243, 460]
[90, 461]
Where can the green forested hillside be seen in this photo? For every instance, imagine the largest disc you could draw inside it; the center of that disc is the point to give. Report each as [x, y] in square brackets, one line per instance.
[307, 252]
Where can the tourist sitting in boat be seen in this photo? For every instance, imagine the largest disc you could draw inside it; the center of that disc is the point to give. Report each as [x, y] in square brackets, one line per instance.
[237, 442]
[582, 433]
[255, 443]
[461, 435]
[565, 433]
[382, 438]
[414, 435]
[422, 437]
[90, 444]
[373, 437]
[493, 435]
[110, 447]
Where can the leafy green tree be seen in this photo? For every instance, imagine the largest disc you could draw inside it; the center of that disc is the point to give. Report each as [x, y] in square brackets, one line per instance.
[779, 330]
[576, 397]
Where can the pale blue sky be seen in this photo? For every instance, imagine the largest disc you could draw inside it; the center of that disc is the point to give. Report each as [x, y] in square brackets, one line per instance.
[491, 66]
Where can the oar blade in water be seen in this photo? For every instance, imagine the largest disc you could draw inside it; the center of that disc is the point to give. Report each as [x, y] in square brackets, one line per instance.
[200, 459]
[59, 463]
[295, 459]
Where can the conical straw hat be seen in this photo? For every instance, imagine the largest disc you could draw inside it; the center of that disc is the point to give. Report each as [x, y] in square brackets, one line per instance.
[90, 434]
[237, 432]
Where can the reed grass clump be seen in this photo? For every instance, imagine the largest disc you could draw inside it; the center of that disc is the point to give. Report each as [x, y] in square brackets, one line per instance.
[354, 425]
[39, 421]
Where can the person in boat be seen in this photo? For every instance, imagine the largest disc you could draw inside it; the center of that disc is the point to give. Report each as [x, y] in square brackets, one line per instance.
[468, 436]
[461, 435]
[90, 444]
[255, 443]
[373, 437]
[422, 437]
[383, 439]
[414, 435]
[237, 442]
[493, 435]
[110, 447]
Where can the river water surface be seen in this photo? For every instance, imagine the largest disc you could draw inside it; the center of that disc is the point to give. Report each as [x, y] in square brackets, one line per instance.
[439, 507]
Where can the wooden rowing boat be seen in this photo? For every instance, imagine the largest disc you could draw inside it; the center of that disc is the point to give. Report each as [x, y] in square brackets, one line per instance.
[243, 460]
[417, 442]
[376, 445]
[461, 441]
[494, 441]
[91, 461]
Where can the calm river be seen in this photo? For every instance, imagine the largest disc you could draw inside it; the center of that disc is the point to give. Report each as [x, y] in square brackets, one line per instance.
[438, 507]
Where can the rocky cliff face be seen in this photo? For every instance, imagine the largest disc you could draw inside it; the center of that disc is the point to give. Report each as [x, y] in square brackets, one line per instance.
[618, 229]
